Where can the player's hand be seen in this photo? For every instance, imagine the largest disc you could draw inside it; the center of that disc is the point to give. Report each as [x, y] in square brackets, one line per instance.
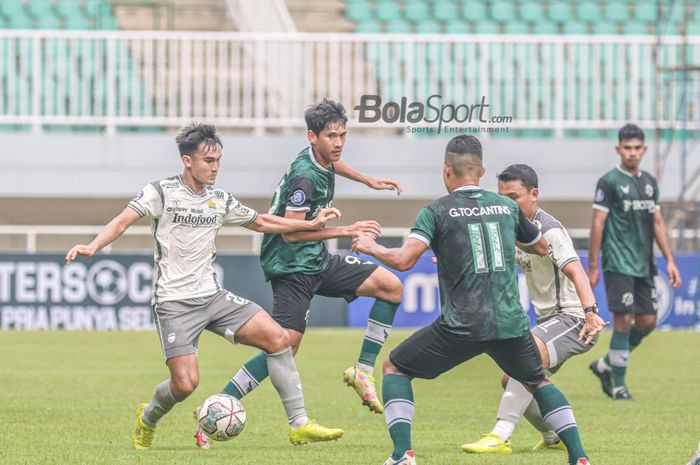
[674, 276]
[369, 227]
[594, 324]
[363, 243]
[79, 249]
[324, 216]
[385, 184]
[593, 276]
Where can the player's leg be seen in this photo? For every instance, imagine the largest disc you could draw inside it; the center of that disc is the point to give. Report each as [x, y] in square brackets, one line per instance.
[244, 322]
[521, 360]
[425, 354]
[646, 308]
[611, 369]
[291, 299]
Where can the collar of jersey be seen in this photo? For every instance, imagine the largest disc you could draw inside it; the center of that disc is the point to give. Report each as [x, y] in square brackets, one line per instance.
[628, 173]
[313, 159]
[468, 187]
[182, 183]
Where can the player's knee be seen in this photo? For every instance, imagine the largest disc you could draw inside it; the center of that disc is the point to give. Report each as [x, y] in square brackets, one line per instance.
[279, 341]
[395, 290]
[181, 388]
[388, 368]
[504, 381]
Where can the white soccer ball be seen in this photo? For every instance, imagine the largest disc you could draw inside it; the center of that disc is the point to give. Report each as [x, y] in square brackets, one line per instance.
[221, 417]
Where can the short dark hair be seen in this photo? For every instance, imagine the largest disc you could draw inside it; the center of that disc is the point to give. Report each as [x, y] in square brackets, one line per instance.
[522, 173]
[322, 114]
[630, 131]
[190, 137]
[464, 145]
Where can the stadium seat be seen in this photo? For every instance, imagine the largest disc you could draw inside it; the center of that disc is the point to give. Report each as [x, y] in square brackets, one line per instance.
[20, 21]
[359, 11]
[445, 11]
[68, 9]
[473, 10]
[369, 26]
[605, 28]
[487, 27]
[457, 27]
[575, 27]
[388, 12]
[545, 27]
[78, 22]
[517, 28]
[617, 12]
[531, 12]
[48, 22]
[40, 8]
[635, 28]
[588, 12]
[398, 26]
[416, 12]
[645, 11]
[10, 8]
[560, 12]
[428, 27]
[502, 12]
[694, 29]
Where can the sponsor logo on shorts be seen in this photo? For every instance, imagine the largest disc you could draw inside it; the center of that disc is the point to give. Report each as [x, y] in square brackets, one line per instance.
[627, 299]
[306, 317]
[171, 338]
[231, 297]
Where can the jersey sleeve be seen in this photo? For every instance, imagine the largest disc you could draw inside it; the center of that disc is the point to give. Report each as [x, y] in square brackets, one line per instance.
[603, 196]
[656, 195]
[526, 232]
[425, 227]
[561, 249]
[300, 193]
[236, 213]
[148, 202]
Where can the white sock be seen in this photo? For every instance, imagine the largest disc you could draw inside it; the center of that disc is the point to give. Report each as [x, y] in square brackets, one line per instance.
[299, 422]
[504, 429]
[366, 368]
[550, 437]
[602, 366]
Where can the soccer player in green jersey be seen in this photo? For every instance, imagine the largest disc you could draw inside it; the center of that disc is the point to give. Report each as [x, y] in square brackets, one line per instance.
[567, 325]
[626, 220]
[186, 212]
[473, 233]
[298, 265]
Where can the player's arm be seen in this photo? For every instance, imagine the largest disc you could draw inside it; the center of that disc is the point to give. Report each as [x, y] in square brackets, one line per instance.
[594, 323]
[528, 236]
[601, 206]
[401, 259]
[345, 171]
[274, 224]
[360, 227]
[109, 234]
[674, 276]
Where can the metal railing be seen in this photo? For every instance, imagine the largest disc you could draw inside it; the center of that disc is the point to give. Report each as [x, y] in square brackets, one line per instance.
[266, 80]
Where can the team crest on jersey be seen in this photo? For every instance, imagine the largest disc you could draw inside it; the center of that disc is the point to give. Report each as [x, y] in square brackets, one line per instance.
[599, 195]
[211, 204]
[649, 190]
[298, 197]
[627, 299]
[625, 189]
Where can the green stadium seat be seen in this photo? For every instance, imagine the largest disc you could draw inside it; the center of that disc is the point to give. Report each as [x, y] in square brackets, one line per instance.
[694, 29]
[457, 27]
[617, 12]
[20, 21]
[560, 12]
[473, 10]
[518, 27]
[370, 26]
[532, 12]
[398, 26]
[416, 11]
[605, 28]
[445, 11]
[359, 12]
[487, 27]
[588, 12]
[69, 9]
[635, 28]
[645, 11]
[428, 27]
[388, 12]
[575, 27]
[40, 8]
[78, 22]
[10, 8]
[502, 12]
[545, 27]
[48, 22]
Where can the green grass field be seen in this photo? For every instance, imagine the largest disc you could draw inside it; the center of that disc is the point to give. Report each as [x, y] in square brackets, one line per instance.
[69, 398]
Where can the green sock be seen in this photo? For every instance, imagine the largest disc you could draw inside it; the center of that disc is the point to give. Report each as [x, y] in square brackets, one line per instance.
[398, 411]
[618, 354]
[251, 374]
[557, 412]
[381, 316]
[636, 338]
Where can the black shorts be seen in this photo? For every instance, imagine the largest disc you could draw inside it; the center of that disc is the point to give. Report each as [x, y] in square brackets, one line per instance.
[434, 349]
[629, 294]
[292, 293]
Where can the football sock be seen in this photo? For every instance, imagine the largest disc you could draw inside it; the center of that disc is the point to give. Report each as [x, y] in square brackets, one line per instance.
[534, 416]
[604, 364]
[556, 411]
[161, 403]
[251, 374]
[514, 401]
[398, 411]
[636, 338]
[618, 354]
[285, 378]
[381, 316]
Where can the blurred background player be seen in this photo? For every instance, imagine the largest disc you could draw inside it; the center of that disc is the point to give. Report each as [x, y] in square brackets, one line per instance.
[626, 220]
[568, 322]
[186, 212]
[298, 265]
[696, 458]
[473, 234]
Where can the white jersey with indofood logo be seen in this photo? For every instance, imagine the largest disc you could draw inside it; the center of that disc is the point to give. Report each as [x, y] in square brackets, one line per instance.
[184, 226]
[550, 290]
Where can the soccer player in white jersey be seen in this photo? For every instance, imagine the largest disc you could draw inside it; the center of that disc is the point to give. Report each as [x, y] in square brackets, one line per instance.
[186, 212]
[568, 322]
